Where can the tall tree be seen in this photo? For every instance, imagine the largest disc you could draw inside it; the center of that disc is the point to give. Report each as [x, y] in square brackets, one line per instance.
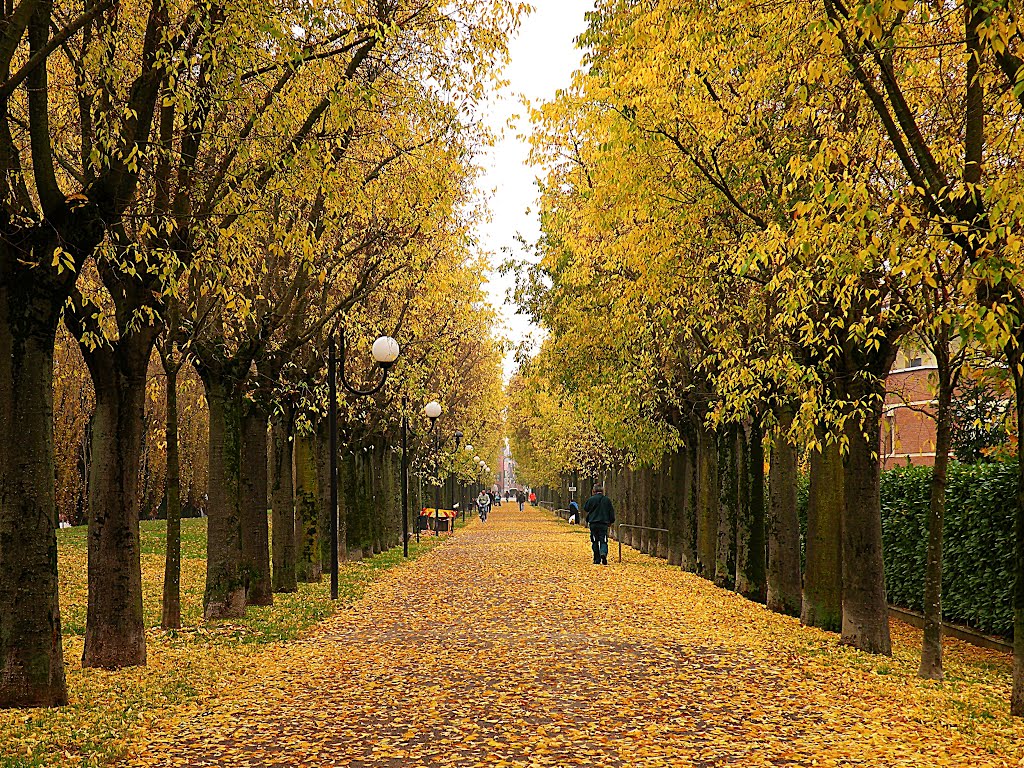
[54, 217]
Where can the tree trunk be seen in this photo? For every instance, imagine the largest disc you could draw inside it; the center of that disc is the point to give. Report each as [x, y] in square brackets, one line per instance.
[31, 658]
[727, 498]
[865, 610]
[225, 580]
[754, 582]
[741, 581]
[351, 498]
[1017, 696]
[823, 577]
[375, 479]
[784, 529]
[688, 507]
[348, 509]
[171, 614]
[308, 566]
[253, 508]
[661, 489]
[282, 502]
[707, 502]
[323, 487]
[645, 509]
[674, 498]
[931, 645]
[115, 633]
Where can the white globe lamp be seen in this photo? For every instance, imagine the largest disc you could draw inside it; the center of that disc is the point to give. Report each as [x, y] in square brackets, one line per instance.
[385, 351]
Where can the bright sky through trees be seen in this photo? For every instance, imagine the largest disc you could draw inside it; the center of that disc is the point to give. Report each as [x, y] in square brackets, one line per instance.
[543, 58]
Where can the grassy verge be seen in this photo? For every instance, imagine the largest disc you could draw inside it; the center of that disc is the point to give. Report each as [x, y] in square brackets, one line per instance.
[109, 711]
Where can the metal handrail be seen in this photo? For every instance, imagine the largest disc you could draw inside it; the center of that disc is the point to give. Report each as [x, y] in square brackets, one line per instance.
[639, 528]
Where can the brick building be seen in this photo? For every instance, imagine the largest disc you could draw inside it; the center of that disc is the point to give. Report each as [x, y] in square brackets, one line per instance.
[506, 470]
[908, 430]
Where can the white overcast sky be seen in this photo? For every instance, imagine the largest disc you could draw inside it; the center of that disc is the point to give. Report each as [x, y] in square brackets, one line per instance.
[543, 58]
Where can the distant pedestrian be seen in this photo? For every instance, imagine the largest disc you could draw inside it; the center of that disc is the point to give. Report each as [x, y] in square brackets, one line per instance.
[600, 515]
[533, 497]
[574, 512]
[521, 498]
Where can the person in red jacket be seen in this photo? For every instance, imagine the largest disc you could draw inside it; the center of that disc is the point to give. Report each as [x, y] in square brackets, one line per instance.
[533, 497]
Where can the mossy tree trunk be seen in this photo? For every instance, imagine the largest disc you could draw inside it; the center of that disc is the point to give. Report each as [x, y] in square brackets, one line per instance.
[689, 506]
[308, 563]
[645, 508]
[170, 617]
[707, 501]
[115, 633]
[322, 459]
[1016, 359]
[282, 500]
[823, 577]
[31, 655]
[355, 506]
[225, 581]
[865, 609]
[253, 508]
[673, 508]
[727, 501]
[784, 587]
[751, 568]
[663, 487]
[931, 646]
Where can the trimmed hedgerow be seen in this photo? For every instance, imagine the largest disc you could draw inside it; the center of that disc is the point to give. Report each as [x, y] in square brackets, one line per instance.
[977, 583]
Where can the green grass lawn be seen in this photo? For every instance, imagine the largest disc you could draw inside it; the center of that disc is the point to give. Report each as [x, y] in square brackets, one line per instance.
[109, 711]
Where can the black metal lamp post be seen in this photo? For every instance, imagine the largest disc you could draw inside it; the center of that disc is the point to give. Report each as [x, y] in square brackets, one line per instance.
[432, 410]
[466, 502]
[405, 477]
[453, 479]
[385, 351]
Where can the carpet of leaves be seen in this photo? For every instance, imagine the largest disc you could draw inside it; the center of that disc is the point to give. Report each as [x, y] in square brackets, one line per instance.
[504, 646]
[111, 712]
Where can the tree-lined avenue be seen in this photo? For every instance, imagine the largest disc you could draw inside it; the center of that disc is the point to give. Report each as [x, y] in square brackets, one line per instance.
[505, 647]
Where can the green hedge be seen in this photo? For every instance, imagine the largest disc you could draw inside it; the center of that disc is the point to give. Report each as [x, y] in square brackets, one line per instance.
[977, 583]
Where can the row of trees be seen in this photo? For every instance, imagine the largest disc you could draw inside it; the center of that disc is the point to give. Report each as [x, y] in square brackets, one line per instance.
[745, 214]
[218, 186]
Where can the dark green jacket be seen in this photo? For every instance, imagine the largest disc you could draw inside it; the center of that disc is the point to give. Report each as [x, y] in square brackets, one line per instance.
[599, 510]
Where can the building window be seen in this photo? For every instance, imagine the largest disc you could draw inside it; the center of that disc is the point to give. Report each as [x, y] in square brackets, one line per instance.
[915, 362]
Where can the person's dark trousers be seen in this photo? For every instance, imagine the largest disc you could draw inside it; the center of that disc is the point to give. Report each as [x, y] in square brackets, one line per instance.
[599, 543]
[521, 505]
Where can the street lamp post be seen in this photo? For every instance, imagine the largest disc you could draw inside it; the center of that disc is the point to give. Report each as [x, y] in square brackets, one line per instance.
[433, 412]
[476, 474]
[405, 477]
[385, 351]
[465, 502]
[457, 435]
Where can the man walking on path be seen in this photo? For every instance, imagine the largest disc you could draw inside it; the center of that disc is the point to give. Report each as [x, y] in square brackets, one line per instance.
[521, 499]
[600, 515]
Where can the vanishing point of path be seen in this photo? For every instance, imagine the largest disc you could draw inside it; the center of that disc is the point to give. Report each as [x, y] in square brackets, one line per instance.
[506, 647]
